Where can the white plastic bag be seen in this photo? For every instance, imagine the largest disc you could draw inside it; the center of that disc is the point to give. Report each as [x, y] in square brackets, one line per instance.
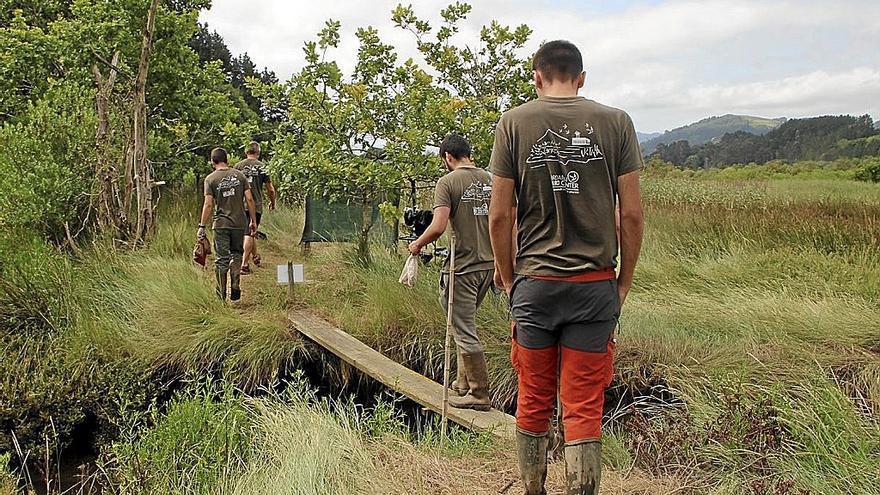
[410, 271]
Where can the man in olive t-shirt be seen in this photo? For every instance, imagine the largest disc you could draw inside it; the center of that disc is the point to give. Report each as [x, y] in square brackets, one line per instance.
[226, 191]
[257, 177]
[563, 163]
[461, 199]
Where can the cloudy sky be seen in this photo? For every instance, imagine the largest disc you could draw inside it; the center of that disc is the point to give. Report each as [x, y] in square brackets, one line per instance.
[668, 63]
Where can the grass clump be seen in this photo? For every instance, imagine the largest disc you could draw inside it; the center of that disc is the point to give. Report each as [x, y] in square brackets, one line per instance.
[8, 481]
[202, 438]
[214, 439]
[86, 338]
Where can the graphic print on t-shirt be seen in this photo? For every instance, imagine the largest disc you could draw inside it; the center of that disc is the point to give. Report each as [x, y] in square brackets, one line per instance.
[564, 148]
[227, 186]
[478, 194]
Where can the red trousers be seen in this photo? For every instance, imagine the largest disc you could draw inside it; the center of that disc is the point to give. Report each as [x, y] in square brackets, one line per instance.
[581, 377]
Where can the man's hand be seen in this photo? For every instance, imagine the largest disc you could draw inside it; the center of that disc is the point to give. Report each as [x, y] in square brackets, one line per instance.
[501, 222]
[200, 234]
[415, 248]
[252, 228]
[497, 280]
[271, 206]
[622, 291]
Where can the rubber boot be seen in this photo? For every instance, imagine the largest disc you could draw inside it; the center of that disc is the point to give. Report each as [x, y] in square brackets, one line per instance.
[478, 379]
[235, 280]
[583, 468]
[220, 274]
[532, 453]
[460, 384]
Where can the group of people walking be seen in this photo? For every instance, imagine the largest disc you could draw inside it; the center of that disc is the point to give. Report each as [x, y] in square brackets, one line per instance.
[546, 226]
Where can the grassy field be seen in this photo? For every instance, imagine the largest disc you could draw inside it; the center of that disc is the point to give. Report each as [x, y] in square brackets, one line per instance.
[749, 358]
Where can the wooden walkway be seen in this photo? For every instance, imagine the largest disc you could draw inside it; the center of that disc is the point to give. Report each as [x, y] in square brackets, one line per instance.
[426, 392]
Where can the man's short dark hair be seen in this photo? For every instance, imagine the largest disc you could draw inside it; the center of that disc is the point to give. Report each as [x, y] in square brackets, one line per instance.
[253, 148]
[218, 155]
[456, 145]
[558, 60]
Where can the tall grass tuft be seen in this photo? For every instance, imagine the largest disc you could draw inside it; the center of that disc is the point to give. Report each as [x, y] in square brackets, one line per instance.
[202, 438]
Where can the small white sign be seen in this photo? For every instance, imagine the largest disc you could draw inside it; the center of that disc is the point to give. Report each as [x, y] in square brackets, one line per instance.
[298, 275]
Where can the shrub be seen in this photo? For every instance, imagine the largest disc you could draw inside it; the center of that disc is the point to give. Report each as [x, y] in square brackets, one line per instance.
[869, 172]
[44, 155]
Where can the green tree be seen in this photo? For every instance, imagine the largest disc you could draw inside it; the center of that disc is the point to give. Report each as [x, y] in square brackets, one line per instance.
[358, 139]
[486, 79]
[190, 107]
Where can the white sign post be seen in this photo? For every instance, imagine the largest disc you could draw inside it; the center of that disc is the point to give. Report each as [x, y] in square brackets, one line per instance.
[290, 274]
[284, 275]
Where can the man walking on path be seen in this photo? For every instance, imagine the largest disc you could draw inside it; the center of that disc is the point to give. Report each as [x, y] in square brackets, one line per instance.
[462, 198]
[226, 191]
[255, 171]
[563, 163]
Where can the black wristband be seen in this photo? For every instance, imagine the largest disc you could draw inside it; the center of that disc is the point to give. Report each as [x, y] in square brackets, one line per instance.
[201, 226]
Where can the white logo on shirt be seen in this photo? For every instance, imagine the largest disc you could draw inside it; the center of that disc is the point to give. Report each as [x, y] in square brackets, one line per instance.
[567, 183]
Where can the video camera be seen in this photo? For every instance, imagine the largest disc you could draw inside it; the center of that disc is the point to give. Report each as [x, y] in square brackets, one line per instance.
[418, 222]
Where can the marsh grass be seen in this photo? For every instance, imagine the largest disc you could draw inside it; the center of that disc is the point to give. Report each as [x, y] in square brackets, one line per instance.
[213, 439]
[8, 480]
[772, 285]
[202, 437]
[747, 360]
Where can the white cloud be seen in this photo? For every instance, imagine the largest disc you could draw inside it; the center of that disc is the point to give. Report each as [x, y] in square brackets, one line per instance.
[667, 64]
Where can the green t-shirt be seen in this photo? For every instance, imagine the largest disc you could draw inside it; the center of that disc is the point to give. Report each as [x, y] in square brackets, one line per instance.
[256, 175]
[227, 186]
[466, 191]
[565, 155]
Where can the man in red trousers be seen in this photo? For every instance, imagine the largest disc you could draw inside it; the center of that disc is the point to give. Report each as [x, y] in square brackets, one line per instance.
[562, 164]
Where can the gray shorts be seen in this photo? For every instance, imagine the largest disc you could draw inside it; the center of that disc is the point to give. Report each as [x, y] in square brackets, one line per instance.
[576, 315]
[470, 290]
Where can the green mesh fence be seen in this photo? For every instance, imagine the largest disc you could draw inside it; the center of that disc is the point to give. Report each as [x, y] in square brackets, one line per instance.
[340, 222]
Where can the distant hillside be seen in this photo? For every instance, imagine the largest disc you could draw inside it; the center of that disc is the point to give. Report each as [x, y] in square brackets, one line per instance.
[711, 128]
[817, 138]
[647, 136]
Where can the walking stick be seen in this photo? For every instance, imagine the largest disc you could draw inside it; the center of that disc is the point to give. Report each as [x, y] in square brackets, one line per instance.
[446, 357]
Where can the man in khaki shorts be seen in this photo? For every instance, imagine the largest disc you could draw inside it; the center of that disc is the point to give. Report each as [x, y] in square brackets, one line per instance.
[462, 199]
[257, 177]
[563, 164]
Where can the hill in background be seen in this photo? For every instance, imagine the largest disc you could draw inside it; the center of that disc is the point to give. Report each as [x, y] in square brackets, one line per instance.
[828, 137]
[712, 128]
[647, 136]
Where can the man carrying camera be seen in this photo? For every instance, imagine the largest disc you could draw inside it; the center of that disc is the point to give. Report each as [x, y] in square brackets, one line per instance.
[462, 198]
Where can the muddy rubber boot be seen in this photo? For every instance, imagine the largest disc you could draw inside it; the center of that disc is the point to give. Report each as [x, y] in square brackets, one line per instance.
[235, 280]
[532, 453]
[478, 379]
[583, 468]
[220, 275]
[460, 384]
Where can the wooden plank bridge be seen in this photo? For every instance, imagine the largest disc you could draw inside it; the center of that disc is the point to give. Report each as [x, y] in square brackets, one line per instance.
[403, 380]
